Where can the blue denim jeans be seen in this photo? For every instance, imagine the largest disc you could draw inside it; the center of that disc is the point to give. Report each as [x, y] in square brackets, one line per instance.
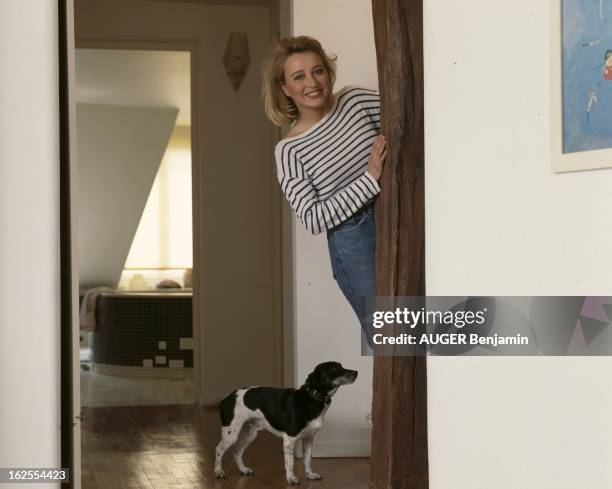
[352, 247]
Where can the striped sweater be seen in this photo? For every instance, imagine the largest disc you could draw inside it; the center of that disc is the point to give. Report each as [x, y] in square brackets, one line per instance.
[322, 171]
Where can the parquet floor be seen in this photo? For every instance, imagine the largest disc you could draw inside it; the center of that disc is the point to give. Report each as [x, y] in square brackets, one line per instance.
[172, 447]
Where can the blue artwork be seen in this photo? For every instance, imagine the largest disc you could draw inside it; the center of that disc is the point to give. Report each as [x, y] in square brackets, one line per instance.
[587, 75]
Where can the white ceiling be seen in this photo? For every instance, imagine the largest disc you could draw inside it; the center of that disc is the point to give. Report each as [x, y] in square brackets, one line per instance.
[135, 78]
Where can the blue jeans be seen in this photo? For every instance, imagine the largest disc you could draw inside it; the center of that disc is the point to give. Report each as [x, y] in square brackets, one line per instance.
[352, 247]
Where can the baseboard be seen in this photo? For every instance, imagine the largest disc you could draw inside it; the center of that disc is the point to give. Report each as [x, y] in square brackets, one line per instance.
[206, 401]
[149, 372]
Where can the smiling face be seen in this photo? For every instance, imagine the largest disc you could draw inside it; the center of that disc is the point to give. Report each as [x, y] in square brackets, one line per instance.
[307, 82]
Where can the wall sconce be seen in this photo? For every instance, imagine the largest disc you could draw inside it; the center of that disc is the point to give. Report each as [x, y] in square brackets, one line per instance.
[237, 58]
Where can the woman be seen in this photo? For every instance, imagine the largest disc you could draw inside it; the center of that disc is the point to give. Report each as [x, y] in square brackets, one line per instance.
[331, 160]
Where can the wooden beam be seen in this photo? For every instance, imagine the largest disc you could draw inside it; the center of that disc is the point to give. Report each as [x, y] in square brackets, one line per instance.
[399, 410]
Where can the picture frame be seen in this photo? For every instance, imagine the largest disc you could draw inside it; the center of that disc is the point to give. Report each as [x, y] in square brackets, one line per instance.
[581, 85]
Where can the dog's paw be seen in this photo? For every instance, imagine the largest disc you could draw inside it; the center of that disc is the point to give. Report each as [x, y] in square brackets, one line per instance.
[219, 473]
[247, 471]
[313, 476]
[293, 480]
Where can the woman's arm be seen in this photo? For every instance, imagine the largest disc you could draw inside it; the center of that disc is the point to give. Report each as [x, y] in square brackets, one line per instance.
[321, 215]
[317, 214]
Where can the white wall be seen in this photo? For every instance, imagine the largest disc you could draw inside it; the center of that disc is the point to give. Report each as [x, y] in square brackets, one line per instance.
[326, 326]
[499, 222]
[29, 246]
[119, 151]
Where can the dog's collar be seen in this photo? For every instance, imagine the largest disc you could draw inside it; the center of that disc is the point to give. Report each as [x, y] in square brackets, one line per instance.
[318, 396]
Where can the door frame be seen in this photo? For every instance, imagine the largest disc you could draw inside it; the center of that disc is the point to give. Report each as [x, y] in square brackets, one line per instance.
[151, 45]
[72, 395]
[192, 49]
[283, 236]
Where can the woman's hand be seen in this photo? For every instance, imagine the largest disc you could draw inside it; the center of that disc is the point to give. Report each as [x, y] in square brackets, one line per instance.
[377, 156]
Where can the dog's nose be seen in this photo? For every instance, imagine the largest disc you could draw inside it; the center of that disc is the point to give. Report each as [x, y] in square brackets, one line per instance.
[354, 374]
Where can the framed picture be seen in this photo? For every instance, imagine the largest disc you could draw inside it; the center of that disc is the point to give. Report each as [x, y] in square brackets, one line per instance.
[581, 84]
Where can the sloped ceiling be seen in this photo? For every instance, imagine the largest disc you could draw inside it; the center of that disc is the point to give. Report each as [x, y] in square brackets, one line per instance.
[119, 150]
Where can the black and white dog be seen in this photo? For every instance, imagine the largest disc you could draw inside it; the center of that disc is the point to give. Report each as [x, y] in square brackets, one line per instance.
[293, 414]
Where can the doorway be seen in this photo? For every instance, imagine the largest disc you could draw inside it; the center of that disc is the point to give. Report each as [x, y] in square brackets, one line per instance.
[134, 209]
[238, 330]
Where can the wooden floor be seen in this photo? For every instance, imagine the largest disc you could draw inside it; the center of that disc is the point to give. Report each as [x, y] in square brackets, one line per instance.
[173, 447]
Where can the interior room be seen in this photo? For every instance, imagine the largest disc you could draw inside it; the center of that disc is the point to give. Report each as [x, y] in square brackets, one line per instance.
[135, 227]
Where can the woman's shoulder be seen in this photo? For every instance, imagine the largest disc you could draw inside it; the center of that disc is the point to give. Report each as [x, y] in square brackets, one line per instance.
[356, 90]
[290, 135]
[352, 96]
[279, 150]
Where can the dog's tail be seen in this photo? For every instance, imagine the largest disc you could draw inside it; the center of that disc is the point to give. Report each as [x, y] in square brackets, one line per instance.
[226, 409]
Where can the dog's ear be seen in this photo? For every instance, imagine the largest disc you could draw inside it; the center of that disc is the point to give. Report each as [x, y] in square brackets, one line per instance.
[312, 379]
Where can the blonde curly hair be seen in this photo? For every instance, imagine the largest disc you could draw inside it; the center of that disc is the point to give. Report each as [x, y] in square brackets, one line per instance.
[280, 109]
